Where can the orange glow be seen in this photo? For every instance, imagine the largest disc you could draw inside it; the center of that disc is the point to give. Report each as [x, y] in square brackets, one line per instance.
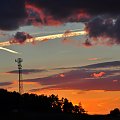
[45, 19]
[97, 75]
[52, 22]
[38, 11]
[82, 14]
[62, 75]
[7, 43]
[94, 101]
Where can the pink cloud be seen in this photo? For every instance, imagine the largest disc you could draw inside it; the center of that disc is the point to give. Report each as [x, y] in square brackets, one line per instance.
[62, 75]
[98, 75]
[93, 59]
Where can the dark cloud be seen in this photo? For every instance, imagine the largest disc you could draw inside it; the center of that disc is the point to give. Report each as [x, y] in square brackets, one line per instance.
[97, 65]
[12, 14]
[104, 65]
[86, 85]
[28, 71]
[65, 8]
[5, 83]
[61, 10]
[20, 37]
[101, 17]
[104, 29]
[66, 68]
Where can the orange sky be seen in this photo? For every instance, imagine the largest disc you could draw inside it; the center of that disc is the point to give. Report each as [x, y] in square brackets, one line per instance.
[75, 52]
[94, 101]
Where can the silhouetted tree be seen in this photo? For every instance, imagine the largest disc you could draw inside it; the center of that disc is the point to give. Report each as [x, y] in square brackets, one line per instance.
[115, 112]
[55, 103]
[13, 101]
[67, 106]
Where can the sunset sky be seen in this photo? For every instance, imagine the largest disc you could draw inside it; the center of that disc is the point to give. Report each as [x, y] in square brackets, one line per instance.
[69, 48]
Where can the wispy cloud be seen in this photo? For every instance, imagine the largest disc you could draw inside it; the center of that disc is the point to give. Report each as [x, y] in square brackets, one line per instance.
[5, 83]
[27, 71]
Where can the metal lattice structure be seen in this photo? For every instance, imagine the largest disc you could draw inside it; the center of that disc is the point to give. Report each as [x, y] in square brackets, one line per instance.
[19, 61]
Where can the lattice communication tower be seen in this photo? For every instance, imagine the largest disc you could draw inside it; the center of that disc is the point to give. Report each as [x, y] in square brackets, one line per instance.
[19, 61]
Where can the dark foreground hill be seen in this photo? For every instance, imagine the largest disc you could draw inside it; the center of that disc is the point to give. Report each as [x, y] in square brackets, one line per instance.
[14, 106]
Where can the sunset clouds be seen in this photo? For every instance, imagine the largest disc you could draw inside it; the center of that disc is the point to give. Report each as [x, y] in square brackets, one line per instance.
[98, 75]
[101, 18]
[71, 38]
[101, 22]
[84, 78]
[53, 12]
[77, 84]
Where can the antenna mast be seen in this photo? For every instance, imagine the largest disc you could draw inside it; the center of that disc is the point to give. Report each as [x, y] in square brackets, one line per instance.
[19, 61]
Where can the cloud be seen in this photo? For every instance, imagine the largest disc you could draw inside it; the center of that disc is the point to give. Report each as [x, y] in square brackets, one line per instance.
[26, 12]
[52, 12]
[104, 30]
[85, 84]
[93, 59]
[23, 37]
[101, 19]
[58, 12]
[87, 43]
[98, 75]
[62, 75]
[103, 65]
[28, 71]
[5, 83]
[68, 9]
[20, 37]
[12, 14]
[98, 59]
[81, 79]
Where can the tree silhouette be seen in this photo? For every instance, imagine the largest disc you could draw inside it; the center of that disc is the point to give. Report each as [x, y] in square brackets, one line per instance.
[13, 101]
[32, 106]
[115, 112]
[67, 106]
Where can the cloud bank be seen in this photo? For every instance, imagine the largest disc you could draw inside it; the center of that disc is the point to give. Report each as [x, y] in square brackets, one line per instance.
[101, 76]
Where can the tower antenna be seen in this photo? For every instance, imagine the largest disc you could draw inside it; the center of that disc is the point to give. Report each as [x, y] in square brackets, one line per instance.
[19, 61]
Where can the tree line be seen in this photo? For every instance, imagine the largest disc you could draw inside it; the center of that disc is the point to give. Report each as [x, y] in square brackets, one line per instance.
[13, 102]
[26, 106]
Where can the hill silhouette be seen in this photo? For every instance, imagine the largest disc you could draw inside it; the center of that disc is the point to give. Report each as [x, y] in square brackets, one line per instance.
[15, 106]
